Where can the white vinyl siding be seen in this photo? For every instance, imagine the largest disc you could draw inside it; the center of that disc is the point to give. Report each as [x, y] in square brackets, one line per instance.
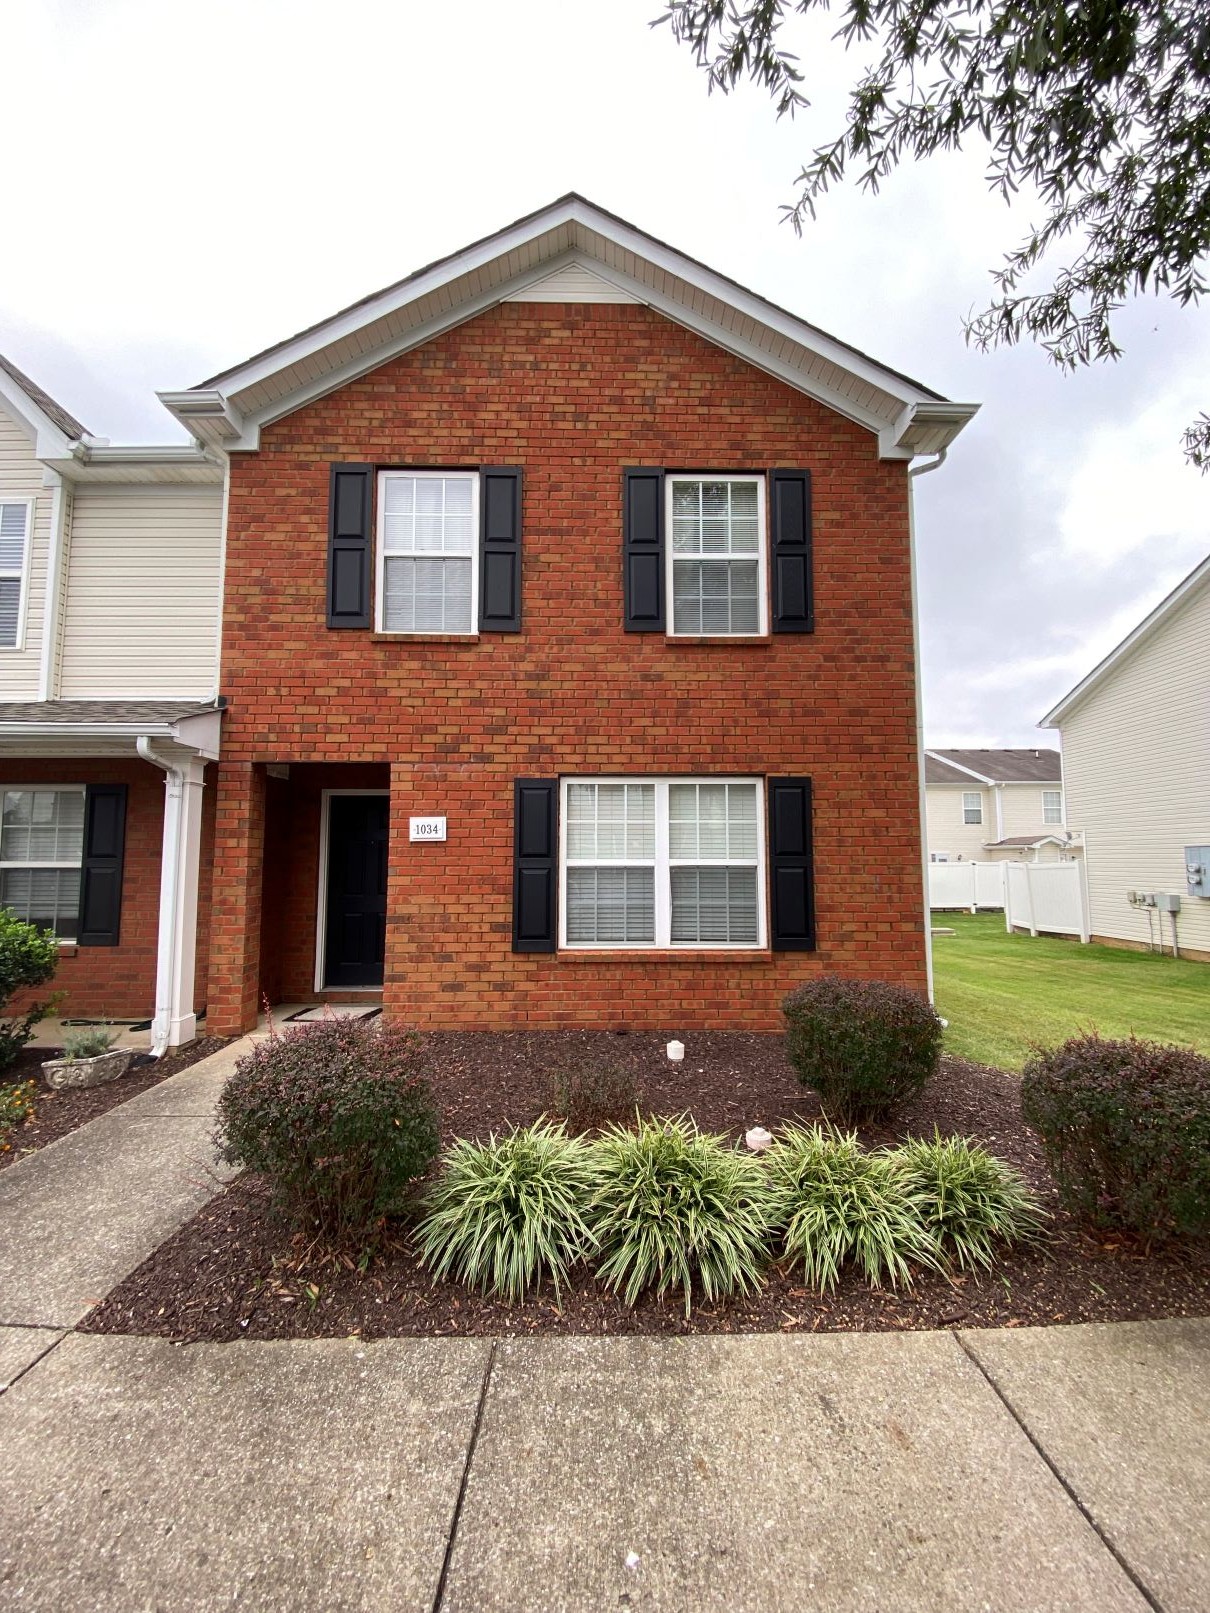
[21, 479]
[676, 863]
[1052, 806]
[15, 522]
[41, 844]
[716, 556]
[428, 528]
[972, 806]
[142, 603]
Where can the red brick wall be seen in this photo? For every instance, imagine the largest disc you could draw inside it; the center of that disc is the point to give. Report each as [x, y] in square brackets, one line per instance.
[120, 981]
[573, 394]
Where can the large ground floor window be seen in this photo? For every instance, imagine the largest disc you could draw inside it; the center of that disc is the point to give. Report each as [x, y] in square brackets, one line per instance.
[662, 863]
[41, 845]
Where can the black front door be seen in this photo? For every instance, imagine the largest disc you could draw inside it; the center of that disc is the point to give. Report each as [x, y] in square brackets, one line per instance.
[355, 933]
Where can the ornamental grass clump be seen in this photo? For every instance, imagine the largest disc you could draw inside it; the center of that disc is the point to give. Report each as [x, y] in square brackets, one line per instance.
[674, 1207]
[506, 1213]
[833, 1203]
[865, 1046]
[1125, 1127]
[971, 1201]
[338, 1119]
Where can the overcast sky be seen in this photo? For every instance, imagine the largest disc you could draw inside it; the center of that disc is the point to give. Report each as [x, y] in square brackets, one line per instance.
[187, 184]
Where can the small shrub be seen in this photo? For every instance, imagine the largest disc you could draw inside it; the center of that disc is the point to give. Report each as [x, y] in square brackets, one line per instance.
[337, 1117]
[589, 1094]
[506, 1213]
[865, 1046]
[970, 1200]
[834, 1203]
[1125, 1126]
[89, 1041]
[28, 957]
[16, 1107]
[676, 1208]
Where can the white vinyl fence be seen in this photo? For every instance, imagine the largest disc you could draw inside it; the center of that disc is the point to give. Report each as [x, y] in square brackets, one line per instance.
[1047, 897]
[972, 885]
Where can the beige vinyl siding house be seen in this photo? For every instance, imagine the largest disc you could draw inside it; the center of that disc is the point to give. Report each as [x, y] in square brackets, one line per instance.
[996, 805]
[22, 486]
[1136, 760]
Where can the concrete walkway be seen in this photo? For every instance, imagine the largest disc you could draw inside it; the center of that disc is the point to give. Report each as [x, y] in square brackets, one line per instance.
[80, 1214]
[1058, 1469]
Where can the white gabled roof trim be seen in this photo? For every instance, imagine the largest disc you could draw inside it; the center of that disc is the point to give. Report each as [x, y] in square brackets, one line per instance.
[49, 441]
[1180, 595]
[229, 410]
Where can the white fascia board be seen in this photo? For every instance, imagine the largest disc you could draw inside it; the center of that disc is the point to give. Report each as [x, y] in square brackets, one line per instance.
[1179, 595]
[49, 442]
[193, 736]
[947, 762]
[206, 412]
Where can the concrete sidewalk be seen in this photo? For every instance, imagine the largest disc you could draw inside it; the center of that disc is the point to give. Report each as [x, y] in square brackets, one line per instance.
[83, 1212]
[1061, 1468]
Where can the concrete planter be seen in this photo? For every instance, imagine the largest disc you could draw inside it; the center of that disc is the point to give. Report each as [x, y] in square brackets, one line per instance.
[92, 1072]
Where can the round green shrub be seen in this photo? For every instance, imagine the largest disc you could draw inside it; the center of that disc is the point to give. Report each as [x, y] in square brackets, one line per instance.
[970, 1201]
[833, 1203]
[676, 1208]
[865, 1046]
[337, 1117]
[29, 957]
[505, 1213]
[1125, 1126]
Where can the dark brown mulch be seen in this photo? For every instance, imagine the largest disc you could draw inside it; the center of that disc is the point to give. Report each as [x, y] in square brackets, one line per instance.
[234, 1271]
[58, 1112]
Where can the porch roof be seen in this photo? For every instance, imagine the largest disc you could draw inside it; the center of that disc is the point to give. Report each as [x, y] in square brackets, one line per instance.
[107, 727]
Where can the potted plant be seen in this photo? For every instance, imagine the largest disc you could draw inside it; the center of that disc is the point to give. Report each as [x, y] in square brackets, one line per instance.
[89, 1059]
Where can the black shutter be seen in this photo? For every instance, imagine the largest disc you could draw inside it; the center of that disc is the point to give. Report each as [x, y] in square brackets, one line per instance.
[643, 550]
[790, 526]
[350, 506]
[500, 549]
[791, 875]
[101, 868]
[535, 807]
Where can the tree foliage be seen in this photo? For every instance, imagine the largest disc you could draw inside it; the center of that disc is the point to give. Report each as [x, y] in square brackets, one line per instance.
[1101, 106]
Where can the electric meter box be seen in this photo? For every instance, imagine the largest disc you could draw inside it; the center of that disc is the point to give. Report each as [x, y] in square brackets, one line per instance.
[1197, 871]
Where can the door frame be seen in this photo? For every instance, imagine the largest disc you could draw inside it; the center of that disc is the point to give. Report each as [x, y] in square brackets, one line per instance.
[321, 906]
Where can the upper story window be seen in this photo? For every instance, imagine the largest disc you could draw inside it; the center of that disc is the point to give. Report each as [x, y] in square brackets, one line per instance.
[1052, 806]
[662, 863]
[428, 525]
[716, 559]
[41, 847]
[14, 561]
[972, 806]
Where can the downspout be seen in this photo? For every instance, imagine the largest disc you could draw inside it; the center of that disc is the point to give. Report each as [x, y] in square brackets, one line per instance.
[921, 470]
[170, 890]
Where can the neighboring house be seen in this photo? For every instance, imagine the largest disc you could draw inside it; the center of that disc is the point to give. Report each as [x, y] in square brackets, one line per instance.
[996, 806]
[568, 646]
[1136, 762]
[109, 614]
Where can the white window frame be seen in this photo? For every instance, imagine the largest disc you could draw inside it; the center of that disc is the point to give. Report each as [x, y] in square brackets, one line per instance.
[762, 551]
[471, 476]
[977, 797]
[54, 789]
[1046, 810]
[662, 863]
[22, 575]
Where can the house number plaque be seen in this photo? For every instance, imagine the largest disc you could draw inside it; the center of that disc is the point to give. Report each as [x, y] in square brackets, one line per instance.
[426, 828]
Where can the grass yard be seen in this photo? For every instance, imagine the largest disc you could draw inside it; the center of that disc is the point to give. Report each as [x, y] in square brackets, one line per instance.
[1006, 994]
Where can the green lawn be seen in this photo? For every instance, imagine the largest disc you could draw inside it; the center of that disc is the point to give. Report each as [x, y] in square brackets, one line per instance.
[1005, 994]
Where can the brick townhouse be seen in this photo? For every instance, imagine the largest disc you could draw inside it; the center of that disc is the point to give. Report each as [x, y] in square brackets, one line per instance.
[568, 669]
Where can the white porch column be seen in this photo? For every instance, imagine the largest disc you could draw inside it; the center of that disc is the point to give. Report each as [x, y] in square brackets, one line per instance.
[174, 1021]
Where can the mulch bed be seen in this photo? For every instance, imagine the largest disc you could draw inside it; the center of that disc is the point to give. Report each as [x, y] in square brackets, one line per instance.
[56, 1113]
[235, 1271]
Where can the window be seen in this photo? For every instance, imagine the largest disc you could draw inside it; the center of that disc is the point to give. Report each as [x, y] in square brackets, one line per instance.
[972, 806]
[717, 555]
[41, 846]
[428, 525]
[662, 863]
[1052, 806]
[14, 550]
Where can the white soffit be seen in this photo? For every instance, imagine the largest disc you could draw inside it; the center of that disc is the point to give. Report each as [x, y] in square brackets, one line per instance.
[601, 258]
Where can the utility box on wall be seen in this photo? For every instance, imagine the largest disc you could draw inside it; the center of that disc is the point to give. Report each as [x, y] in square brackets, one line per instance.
[1197, 871]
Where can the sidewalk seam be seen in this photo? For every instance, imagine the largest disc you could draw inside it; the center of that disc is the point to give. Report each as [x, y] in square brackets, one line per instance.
[30, 1365]
[439, 1597]
[1148, 1596]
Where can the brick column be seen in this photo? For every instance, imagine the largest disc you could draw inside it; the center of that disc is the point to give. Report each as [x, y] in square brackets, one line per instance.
[239, 848]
